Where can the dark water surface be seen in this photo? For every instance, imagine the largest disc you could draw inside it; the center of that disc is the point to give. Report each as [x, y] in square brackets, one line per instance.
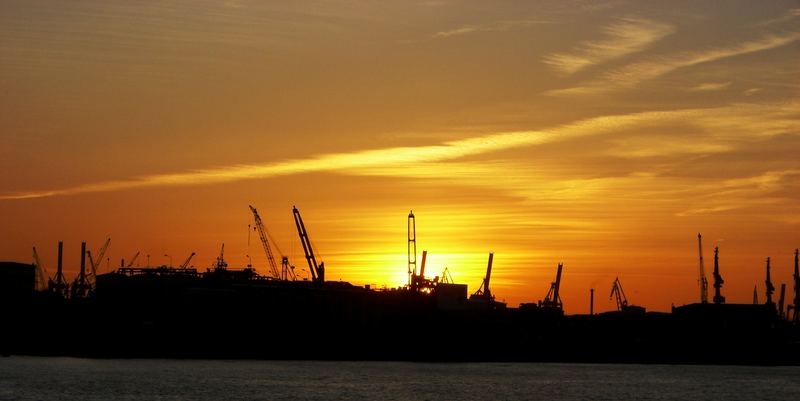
[37, 378]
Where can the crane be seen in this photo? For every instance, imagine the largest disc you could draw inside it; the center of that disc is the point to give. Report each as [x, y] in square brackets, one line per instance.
[412, 250]
[41, 272]
[317, 270]
[185, 263]
[484, 291]
[769, 287]
[553, 299]
[718, 281]
[262, 233]
[618, 293]
[59, 284]
[220, 264]
[796, 304]
[702, 279]
[133, 259]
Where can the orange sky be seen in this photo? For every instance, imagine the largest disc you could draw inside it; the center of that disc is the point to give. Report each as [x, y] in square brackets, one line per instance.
[603, 135]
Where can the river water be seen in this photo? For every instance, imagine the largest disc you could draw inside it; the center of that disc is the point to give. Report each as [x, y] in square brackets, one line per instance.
[38, 378]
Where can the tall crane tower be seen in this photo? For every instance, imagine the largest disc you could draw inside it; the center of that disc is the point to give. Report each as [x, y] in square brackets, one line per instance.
[59, 284]
[796, 303]
[412, 250]
[317, 270]
[702, 279]
[770, 289]
[718, 281]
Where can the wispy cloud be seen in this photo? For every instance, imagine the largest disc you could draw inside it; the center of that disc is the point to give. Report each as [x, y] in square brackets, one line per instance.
[635, 73]
[498, 26]
[627, 36]
[735, 121]
[710, 86]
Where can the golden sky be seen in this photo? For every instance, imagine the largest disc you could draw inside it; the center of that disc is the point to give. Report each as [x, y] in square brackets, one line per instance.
[604, 135]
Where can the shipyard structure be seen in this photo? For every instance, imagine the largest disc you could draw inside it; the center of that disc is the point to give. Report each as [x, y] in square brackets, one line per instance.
[222, 312]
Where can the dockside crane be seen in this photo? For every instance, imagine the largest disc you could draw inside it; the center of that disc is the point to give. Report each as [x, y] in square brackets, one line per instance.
[796, 303]
[185, 263]
[619, 294]
[317, 270]
[702, 281]
[94, 264]
[41, 272]
[80, 286]
[412, 251]
[483, 291]
[770, 289]
[553, 299]
[58, 284]
[718, 281]
[287, 271]
[220, 263]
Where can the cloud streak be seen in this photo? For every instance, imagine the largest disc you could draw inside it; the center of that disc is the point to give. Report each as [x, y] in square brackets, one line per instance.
[629, 35]
[735, 121]
[633, 74]
[499, 26]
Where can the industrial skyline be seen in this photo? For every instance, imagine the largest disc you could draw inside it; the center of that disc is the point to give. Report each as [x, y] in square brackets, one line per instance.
[600, 135]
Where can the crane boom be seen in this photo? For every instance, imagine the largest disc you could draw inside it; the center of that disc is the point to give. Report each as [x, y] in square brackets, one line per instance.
[702, 279]
[185, 263]
[273, 267]
[317, 270]
[619, 293]
[133, 259]
[718, 281]
[41, 272]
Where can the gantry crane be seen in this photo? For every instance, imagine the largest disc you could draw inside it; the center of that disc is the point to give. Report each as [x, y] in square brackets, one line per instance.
[287, 271]
[59, 284]
[553, 299]
[483, 291]
[702, 273]
[317, 270]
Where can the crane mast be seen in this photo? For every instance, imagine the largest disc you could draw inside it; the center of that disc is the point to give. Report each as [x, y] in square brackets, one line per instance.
[718, 281]
[702, 279]
[59, 284]
[796, 303]
[317, 270]
[412, 250]
[273, 267]
[770, 289]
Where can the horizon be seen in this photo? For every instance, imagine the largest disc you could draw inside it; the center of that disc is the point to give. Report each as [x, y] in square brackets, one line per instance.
[601, 135]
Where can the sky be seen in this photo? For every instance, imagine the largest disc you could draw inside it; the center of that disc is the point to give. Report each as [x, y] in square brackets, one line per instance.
[604, 135]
